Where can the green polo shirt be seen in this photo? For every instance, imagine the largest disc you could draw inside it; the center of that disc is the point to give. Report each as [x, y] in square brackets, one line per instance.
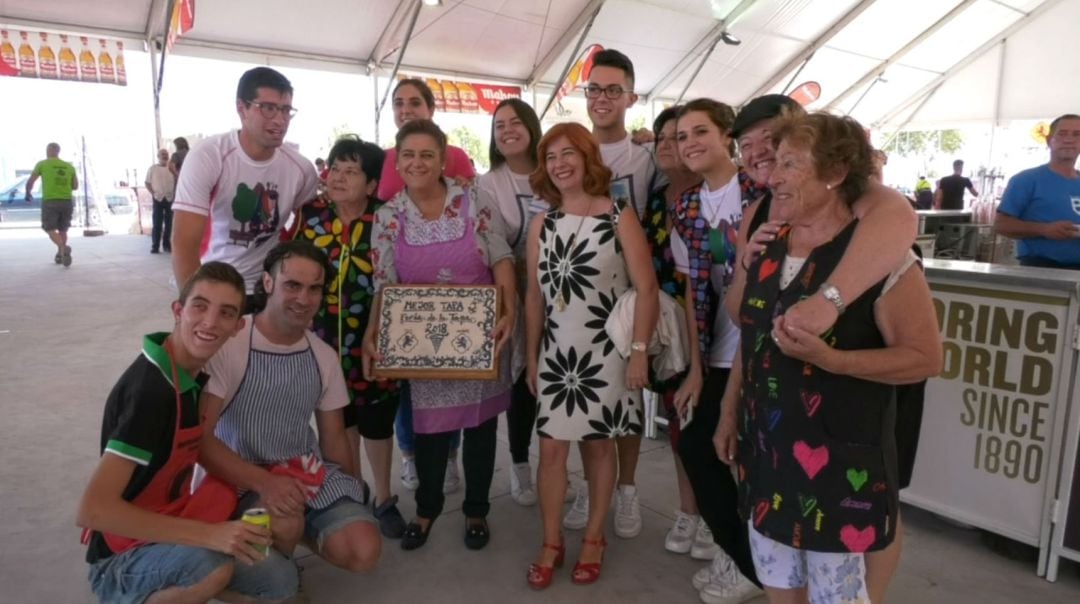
[140, 419]
[56, 176]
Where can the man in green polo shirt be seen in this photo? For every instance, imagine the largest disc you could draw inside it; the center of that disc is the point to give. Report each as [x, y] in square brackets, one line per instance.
[58, 180]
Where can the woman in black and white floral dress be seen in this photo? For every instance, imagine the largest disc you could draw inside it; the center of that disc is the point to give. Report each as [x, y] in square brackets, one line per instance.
[581, 256]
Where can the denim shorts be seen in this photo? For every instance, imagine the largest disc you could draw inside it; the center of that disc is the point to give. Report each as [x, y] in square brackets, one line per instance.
[830, 577]
[320, 524]
[133, 576]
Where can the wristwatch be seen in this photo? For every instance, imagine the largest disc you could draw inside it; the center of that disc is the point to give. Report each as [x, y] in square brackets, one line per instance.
[830, 293]
[637, 346]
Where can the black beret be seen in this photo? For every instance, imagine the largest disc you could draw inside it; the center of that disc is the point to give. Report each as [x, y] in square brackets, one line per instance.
[761, 108]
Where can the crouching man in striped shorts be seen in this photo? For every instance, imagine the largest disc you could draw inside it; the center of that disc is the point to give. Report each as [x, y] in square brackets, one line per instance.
[265, 384]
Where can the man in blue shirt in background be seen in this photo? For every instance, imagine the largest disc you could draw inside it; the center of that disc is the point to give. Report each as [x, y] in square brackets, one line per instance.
[1041, 206]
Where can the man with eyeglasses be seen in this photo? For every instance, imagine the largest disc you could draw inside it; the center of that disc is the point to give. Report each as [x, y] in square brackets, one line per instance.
[609, 93]
[238, 189]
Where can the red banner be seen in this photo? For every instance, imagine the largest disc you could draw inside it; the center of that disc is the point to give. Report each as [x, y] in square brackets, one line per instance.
[181, 22]
[38, 54]
[468, 97]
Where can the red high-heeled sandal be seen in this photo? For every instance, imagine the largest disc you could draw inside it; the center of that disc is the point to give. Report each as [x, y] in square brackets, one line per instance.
[586, 573]
[540, 576]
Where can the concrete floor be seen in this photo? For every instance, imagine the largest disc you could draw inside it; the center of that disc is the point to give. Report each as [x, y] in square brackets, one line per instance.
[67, 334]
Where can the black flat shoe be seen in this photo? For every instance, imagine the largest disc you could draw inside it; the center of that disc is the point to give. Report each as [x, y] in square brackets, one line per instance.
[414, 536]
[477, 535]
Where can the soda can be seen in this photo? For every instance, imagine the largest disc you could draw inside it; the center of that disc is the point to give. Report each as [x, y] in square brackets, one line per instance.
[258, 517]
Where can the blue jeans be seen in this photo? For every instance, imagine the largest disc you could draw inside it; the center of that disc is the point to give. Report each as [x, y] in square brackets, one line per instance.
[403, 425]
[133, 576]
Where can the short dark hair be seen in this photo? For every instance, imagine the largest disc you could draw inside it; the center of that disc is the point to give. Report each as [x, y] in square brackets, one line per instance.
[958, 164]
[664, 117]
[421, 86]
[719, 113]
[352, 148]
[835, 143]
[214, 272]
[528, 117]
[295, 248]
[261, 77]
[181, 144]
[427, 127]
[1054, 124]
[609, 57]
[319, 161]
[762, 108]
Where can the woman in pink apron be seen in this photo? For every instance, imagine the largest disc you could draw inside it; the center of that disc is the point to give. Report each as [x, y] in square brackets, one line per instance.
[436, 233]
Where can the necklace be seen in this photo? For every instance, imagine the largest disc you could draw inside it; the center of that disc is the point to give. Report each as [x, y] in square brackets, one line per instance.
[564, 264]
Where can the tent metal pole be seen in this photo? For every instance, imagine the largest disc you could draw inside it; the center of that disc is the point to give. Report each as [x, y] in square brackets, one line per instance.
[709, 40]
[863, 95]
[818, 42]
[997, 103]
[587, 15]
[900, 128]
[968, 60]
[879, 69]
[401, 54]
[697, 70]
[570, 61]
[791, 81]
[157, 94]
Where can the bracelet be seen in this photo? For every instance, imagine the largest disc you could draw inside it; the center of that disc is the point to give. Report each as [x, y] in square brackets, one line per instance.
[745, 265]
[830, 293]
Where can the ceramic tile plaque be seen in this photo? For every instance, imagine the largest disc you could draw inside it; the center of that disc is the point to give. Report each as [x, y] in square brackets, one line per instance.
[437, 332]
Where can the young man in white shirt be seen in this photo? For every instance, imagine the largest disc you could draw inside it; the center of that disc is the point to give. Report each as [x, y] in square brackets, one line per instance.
[238, 189]
[609, 93]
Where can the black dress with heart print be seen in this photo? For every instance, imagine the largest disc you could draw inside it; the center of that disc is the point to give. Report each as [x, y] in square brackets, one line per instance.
[817, 452]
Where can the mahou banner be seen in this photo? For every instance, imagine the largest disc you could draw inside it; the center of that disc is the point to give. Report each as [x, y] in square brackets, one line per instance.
[38, 54]
[467, 97]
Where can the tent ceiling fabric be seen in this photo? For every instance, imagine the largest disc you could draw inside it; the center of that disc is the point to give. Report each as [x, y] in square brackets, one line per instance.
[507, 39]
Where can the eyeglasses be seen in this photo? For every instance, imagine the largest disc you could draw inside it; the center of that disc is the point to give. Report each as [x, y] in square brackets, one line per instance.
[270, 110]
[613, 92]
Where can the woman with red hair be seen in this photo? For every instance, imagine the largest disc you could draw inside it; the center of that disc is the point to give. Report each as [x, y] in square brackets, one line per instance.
[582, 255]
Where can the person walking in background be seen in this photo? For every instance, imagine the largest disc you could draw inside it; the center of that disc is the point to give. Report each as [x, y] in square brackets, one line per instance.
[58, 181]
[950, 189]
[176, 162]
[161, 184]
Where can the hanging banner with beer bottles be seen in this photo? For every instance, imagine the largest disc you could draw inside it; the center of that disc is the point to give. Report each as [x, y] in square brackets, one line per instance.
[468, 97]
[74, 58]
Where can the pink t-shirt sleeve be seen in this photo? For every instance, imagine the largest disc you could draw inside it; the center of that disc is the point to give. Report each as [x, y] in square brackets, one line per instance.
[458, 164]
[334, 394]
[390, 182]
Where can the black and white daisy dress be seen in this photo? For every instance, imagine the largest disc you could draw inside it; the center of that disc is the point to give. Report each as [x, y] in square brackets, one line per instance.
[582, 379]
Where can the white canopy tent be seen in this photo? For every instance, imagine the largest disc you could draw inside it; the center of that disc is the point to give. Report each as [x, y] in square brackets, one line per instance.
[890, 63]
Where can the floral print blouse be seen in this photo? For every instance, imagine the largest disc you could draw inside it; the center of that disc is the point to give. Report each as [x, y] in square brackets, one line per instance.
[344, 313]
[487, 222]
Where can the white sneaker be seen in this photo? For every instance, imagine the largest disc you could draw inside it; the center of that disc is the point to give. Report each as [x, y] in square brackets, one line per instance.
[681, 535]
[627, 512]
[718, 566]
[727, 585]
[452, 480]
[704, 547]
[409, 478]
[578, 515]
[521, 486]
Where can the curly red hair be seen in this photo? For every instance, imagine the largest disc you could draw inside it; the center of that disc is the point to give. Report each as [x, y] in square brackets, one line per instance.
[597, 180]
